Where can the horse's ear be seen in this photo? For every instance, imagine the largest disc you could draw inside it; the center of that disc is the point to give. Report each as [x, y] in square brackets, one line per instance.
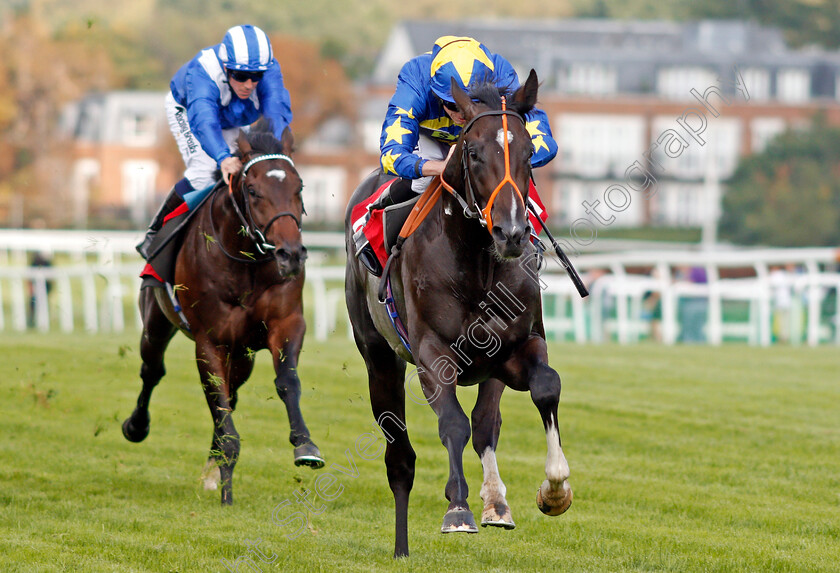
[526, 95]
[462, 99]
[287, 141]
[242, 144]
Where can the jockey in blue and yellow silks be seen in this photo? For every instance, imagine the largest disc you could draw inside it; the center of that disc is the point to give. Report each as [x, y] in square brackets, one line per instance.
[422, 125]
[423, 122]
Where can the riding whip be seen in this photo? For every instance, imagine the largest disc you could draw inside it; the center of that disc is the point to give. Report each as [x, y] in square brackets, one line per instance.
[567, 264]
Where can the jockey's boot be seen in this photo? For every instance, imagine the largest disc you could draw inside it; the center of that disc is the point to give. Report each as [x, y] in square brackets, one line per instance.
[169, 204]
[398, 192]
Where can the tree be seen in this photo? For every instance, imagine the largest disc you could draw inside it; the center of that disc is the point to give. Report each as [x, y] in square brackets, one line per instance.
[37, 78]
[318, 86]
[789, 195]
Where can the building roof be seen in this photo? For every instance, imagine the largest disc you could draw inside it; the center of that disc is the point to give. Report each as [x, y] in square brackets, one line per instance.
[637, 49]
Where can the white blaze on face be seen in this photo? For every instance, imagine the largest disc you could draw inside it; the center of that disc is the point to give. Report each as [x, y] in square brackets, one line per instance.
[278, 173]
[556, 467]
[500, 138]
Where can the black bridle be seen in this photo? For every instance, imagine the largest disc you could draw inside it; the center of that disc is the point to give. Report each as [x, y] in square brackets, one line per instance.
[249, 227]
[474, 211]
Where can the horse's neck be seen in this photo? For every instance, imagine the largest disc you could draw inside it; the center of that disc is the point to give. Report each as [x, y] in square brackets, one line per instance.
[227, 226]
[471, 247]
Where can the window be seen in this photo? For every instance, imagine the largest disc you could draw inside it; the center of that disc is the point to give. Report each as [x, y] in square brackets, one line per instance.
[764, 129]
[594, 79]
[138, 130]
[138, 188]
[757, 82]
[793, 85]
[692, 161]
[677, 82]
[599, 145]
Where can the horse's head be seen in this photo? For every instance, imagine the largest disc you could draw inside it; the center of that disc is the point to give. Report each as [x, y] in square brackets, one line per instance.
[270, 197]
[493, 159]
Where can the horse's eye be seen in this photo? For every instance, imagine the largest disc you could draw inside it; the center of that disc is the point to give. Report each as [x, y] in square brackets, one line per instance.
[472, 154]
[252, 192]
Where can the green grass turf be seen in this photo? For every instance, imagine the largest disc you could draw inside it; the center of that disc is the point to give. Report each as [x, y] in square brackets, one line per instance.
[682, 459]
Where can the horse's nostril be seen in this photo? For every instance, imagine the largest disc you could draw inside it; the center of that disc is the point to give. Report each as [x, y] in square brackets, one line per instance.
[515, 236]
[518, 234]
[282, 254]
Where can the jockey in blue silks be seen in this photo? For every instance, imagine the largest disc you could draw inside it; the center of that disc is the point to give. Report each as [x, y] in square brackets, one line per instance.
[221, 91]
[423, 122]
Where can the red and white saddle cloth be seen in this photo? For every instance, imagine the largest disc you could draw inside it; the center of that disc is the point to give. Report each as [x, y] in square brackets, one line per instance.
[368, 227]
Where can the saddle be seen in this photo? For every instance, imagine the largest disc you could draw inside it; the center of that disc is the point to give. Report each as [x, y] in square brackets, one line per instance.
[160, 268]
[376, 229]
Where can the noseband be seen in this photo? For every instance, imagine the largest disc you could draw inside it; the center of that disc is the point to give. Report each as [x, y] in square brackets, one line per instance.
[249, 227]
[483, 215]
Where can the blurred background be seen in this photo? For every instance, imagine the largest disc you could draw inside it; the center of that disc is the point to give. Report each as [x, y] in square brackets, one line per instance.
[696, 186]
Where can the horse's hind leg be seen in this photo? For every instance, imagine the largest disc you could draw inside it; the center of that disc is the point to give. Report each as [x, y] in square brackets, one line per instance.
[486, 423]
[386, 374]
[386, 377]
[285, 341]
[157, 332]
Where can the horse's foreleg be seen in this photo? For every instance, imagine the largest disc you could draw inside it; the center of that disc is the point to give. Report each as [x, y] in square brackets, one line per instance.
[225, 449]
[486, 424]
[454, 431]
[239, 370]
[555, 494]
[157, 332]
[285, 344]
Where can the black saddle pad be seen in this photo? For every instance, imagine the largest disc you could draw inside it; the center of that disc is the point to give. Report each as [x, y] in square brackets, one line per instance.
[393, 220]
[167, 243]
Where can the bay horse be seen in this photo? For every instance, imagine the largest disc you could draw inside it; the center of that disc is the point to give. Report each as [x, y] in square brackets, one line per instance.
[466, 287]
[239, 277]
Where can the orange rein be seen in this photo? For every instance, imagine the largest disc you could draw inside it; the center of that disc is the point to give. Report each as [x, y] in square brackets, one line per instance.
[488, 219]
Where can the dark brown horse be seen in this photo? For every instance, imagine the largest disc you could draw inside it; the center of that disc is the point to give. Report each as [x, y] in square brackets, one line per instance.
[239, 277]
[466, 287]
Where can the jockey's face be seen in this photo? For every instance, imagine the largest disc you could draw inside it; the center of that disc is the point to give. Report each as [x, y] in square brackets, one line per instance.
[244, 89]
[455, 114]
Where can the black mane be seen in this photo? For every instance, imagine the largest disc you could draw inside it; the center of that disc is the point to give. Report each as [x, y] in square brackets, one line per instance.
[261, 138]
[490, 94]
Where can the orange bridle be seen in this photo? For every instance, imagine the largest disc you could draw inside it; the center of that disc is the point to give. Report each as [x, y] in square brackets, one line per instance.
[484, 215]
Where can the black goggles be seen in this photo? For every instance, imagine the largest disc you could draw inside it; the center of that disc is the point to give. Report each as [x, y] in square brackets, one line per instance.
[451, 106]
[243, 77]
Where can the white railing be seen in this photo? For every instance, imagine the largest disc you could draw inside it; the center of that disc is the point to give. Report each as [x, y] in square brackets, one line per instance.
[93, 287]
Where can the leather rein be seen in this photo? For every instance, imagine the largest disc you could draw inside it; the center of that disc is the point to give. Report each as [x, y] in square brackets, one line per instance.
[249, 227]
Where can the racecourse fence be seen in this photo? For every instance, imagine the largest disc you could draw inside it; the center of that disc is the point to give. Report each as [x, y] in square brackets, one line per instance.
[87, 281]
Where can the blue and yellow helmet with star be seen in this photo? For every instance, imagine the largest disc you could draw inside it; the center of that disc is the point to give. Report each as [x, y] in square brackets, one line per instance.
[465, 59]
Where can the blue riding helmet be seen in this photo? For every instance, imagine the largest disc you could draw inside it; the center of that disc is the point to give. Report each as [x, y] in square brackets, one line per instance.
[246, 48]
[465, 59]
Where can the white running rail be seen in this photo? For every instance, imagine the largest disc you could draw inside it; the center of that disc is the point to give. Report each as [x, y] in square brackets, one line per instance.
[93, 287]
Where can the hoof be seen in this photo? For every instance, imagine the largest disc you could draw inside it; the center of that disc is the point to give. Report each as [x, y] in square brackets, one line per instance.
[132, 434]
[497, 515]
[554, 503]
[211, 476]
[459, 521]
[308, 454]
